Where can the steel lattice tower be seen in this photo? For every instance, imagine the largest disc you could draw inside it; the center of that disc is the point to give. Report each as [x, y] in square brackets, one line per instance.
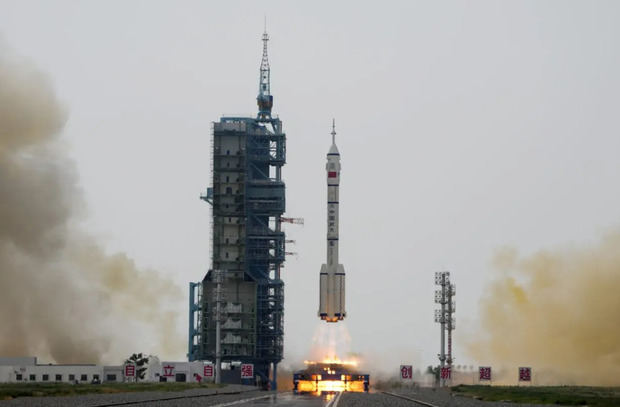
[445, 317]
[247, 198]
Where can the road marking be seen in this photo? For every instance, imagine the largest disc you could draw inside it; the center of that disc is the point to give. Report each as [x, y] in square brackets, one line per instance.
[334, 402]
[424, 403]
[232, 403]
[337, 400]
[195, 396]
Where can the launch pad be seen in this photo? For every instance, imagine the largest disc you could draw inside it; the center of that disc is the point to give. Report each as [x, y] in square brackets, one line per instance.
[330, 377]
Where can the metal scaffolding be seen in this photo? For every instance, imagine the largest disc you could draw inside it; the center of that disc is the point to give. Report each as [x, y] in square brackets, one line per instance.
[445, 318]
[248, 247]
[247, 198]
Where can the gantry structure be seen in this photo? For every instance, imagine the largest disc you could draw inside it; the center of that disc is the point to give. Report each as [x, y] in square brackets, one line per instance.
[247, 199]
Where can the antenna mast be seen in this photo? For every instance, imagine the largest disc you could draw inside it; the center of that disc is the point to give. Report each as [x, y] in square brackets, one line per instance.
[264, 99]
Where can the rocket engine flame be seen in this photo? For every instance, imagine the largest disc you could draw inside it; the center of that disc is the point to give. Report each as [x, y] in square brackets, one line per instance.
[329, 342]
[333, 361]
[327, 372]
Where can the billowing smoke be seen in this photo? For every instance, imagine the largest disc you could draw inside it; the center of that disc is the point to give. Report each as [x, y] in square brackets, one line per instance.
[61, 296]
[331, 342]
[557, 311]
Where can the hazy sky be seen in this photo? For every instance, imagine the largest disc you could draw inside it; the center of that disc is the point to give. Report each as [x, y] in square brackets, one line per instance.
[464, 127]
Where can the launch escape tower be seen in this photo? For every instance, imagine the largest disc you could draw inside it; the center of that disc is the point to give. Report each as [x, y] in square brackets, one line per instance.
[247, 199]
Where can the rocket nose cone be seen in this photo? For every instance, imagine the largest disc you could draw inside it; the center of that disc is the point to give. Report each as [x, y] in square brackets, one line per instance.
[333, 149]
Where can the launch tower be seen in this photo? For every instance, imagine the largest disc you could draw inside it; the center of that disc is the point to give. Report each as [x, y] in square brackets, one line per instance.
[247, 198]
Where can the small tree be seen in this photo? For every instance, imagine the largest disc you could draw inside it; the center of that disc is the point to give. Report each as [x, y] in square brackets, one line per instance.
[433, 371]
[141, 363]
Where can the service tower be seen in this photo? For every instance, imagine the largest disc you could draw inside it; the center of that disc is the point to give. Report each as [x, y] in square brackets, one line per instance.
[241, 298]
[332, 290]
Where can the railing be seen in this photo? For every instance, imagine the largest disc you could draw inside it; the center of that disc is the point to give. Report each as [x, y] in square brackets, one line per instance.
[266, 181]
[263, 231]
[265, 205]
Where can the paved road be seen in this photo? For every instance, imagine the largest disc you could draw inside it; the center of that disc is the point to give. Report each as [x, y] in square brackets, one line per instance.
[344, 400]
[188, 398]
[289, 399]
[245, 396]
[376, 400]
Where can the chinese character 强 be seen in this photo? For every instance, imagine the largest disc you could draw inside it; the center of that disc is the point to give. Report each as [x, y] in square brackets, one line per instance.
[247, 371]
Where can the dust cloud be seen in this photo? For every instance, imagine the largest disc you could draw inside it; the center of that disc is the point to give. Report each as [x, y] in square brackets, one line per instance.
[557, 311]
[62, 298]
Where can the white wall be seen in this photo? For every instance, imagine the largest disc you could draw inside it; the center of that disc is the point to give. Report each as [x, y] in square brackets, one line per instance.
[113, 370]
[37, 373]
[169, 370]
[5, 373]
[156, 369]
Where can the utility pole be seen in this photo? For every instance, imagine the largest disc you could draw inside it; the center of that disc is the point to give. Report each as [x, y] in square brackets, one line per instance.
[217, 276]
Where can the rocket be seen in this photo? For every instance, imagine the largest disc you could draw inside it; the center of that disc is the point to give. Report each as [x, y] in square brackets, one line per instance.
[331, 299]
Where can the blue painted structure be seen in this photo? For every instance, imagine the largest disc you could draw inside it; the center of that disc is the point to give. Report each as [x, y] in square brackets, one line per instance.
[248, 245]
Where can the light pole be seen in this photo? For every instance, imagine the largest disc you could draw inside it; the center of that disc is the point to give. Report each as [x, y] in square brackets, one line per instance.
[450, 322]
[444, 317]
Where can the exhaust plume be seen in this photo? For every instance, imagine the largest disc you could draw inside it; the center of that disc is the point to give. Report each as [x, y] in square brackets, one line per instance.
[61, 296]
[556, 311]
[331, 342]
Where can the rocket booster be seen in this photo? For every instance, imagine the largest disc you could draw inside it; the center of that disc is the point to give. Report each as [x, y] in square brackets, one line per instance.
[332, 289]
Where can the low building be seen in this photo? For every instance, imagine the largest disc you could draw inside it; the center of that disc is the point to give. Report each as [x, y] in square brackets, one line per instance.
[113, 374]
[26, 369]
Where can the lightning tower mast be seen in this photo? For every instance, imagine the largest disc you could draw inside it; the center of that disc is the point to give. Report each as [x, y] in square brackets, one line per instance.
[264, 98]
[248, 244]
[445, 318]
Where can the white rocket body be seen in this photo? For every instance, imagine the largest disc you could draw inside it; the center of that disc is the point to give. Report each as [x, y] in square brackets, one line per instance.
[332, 277]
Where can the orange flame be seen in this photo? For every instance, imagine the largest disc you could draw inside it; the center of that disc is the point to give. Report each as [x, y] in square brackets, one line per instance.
[333, 360]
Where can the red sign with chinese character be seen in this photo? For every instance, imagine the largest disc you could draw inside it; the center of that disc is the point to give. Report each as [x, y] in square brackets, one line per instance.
[525, 374]
[169, 370]
[332, 174]
[445, 373]
[247, 371]
[484, 373]
[208, 371]
[406, 372]
[130, 370]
